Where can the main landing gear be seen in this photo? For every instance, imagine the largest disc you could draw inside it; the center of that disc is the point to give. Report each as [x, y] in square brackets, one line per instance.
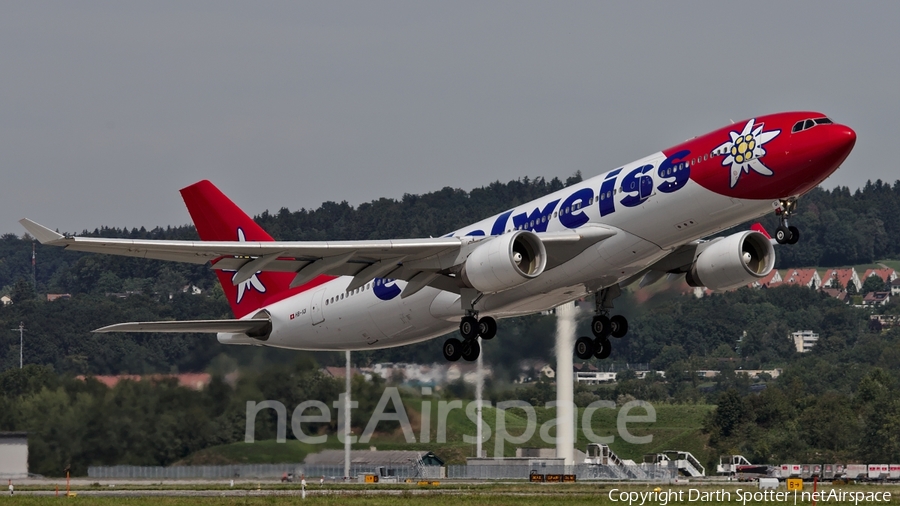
[785, 233]
[602, 326]
[470, 328]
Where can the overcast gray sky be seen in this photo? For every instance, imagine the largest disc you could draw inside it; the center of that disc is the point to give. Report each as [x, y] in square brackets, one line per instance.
[108, 108]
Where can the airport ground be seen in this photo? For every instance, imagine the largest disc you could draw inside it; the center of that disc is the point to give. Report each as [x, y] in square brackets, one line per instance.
[454, 493]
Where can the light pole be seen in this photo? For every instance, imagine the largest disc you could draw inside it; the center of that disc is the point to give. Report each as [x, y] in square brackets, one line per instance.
[21, 331]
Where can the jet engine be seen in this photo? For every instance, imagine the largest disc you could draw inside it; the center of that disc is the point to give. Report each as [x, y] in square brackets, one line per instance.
[732, 261]
[505, 262]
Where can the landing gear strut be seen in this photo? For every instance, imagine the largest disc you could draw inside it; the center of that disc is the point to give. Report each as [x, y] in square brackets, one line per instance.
[602, 326]
[785, 233]
[470, 328]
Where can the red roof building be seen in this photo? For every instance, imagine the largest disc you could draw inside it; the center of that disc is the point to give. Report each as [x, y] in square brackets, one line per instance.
[194, 381]
[838, 278]
[887, 274]
[803, 277]
[772, 277]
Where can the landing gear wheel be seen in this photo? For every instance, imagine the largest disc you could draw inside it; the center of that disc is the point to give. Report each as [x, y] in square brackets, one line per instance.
[782, 235]
[795, 234]
[584, 348]
[618, 326]
[487, 327]
[600, 326]
[470, 350]
[602, 348]
[468, 327]
[452, 349]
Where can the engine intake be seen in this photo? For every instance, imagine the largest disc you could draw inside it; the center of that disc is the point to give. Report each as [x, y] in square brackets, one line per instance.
[505, 262]
[732, 261]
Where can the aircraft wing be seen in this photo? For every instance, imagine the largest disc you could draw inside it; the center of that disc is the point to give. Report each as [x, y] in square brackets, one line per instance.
[429, 260]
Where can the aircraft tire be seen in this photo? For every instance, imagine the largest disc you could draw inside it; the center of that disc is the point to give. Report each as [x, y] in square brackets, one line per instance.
[602, 348]
[452, 349]
[470, 350]
[618, 326]
[584, 348]
[468, 327]
[782, 235]
[487, 328]
[795, 234]
[600, 326]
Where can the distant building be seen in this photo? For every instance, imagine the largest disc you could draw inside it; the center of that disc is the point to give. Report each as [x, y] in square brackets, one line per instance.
[56, 296]
[194, 381]
[886, 274]
[838, 278]
[594, 377]
[773, 278]
[13, 455]
[429, 464]
[191, 289]
[886, 320]
[6, 300]
[803, 277]
[838, 293]
[341, 372]
[876, 298]
[804, 340]
[895, 287]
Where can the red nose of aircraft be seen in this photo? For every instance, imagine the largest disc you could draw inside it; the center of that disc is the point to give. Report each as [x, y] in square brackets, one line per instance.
[814, 154]
[843, 138]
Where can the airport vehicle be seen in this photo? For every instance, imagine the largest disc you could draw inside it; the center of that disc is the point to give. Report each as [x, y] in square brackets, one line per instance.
[641, 221]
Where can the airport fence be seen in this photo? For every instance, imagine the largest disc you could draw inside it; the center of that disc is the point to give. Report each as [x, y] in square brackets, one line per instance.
[581, 472]
[335, 473]
[251, 471]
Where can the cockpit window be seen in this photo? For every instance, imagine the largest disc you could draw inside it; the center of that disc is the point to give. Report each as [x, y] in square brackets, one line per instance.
[809, 123]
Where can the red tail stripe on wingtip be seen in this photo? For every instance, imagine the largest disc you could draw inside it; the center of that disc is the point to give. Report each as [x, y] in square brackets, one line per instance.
[761, 229]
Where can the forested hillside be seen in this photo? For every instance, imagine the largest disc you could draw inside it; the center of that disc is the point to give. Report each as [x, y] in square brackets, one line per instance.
[835, 402]
[839, 228]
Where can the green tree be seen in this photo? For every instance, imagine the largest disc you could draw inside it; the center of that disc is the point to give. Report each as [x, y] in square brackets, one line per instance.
[873, 284]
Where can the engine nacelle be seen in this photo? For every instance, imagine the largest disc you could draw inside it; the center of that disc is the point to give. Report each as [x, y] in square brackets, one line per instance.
[505, 262]
[732, 261]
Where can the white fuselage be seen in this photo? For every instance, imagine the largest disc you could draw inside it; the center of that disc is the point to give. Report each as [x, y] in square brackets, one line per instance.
[330, 318]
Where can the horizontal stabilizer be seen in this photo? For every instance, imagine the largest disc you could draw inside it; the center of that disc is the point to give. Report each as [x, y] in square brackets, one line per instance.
[204, 326]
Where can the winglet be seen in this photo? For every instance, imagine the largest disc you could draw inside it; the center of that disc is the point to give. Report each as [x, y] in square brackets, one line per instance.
[761, 229]
[43, 234]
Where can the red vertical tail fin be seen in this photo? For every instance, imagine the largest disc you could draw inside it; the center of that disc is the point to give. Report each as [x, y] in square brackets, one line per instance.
[217, 218]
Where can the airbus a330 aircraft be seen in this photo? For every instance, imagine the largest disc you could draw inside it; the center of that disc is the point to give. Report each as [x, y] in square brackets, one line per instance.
[640, 221]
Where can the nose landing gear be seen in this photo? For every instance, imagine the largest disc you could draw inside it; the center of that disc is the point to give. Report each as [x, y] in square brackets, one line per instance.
[785, 233]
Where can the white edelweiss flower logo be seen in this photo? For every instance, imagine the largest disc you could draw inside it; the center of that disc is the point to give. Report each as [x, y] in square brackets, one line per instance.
[253, 283]
[745, 149]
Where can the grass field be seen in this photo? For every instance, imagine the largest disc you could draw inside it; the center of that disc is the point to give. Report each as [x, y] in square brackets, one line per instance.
[523, 494]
